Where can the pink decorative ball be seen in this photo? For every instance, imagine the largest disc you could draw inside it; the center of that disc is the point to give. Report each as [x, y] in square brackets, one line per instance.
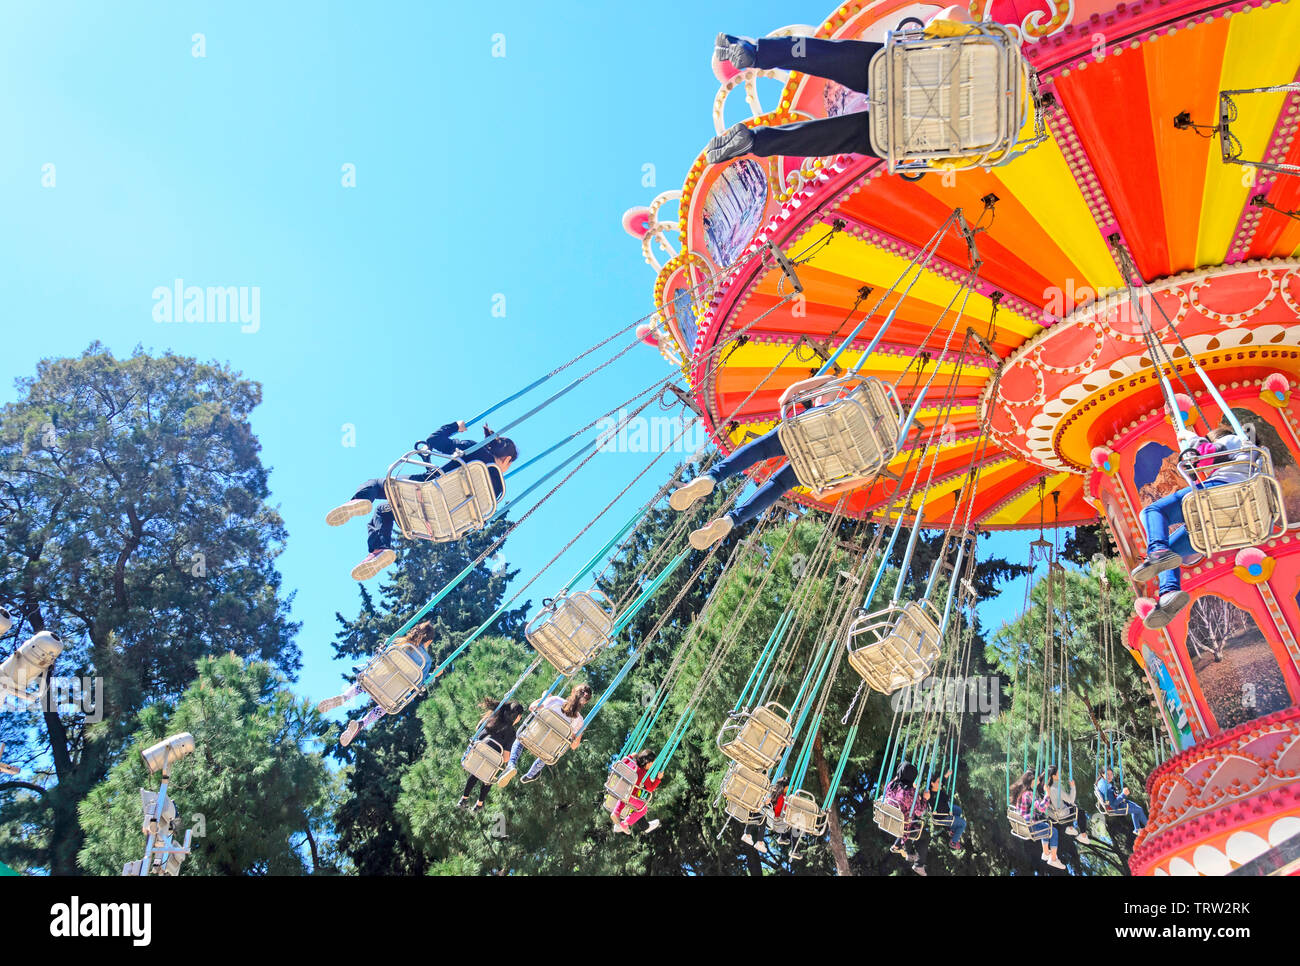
[636, 221]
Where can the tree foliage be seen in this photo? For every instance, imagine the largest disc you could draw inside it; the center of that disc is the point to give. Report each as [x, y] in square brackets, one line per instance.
[256, 788]
[135, 527]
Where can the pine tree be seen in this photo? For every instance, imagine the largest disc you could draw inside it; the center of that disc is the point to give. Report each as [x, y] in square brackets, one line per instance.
[255, 790]
[373, 831]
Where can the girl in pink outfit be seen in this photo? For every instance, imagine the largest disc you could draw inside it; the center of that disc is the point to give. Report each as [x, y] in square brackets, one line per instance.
[636, 806]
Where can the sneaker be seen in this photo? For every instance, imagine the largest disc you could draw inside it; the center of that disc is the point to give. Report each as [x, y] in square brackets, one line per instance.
[532, 774]
[687, 495]
[1071, 830]
[734, 142]
[760, 847]
[351, 731]
[740, 52]
[478, 807]
[1165, 611]
[919, 869]
[1157, 562]
[709, 534]
[621, 829]
[342, 514]
[957, 847]
[1055, 863]
[898, 850]
[1083, 839]
[374, 563]
[506, 775]
[1174, 601]
[747, 839]
[329, 704]
[650, 826]
[464, 800]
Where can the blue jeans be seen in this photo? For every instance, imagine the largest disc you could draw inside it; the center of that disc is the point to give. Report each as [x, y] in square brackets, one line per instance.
[1137, 814]
[1053, 836]
[844, 62]
[766, 447]
[958, 825]
[1157, 518]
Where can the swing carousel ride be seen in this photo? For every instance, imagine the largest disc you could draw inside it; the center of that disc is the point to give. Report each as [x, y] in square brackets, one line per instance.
[1055, 316]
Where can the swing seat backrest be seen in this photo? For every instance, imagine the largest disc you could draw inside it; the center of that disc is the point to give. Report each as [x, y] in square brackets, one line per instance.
[1028, 829]
[757, 738]
[742, 812]
[547, 734]
[1233, 516]
[853, 437]
[890, 818]
[573, 630]
[895, 647]
[454, 503]
[27, 666]
[1104, 807]
[485, 760]
[803, 814]
[395, 676]
[746, 786]
[1062, 814]
[622, 780]
[948, 101]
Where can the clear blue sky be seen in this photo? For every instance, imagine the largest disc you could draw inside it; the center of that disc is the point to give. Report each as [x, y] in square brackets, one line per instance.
[475, 175]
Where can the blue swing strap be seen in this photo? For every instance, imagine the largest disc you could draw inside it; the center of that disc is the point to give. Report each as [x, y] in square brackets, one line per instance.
[489, 551]
[635, 517]
[668, 611]
[699, 286]
[726, 641]
[655, 707]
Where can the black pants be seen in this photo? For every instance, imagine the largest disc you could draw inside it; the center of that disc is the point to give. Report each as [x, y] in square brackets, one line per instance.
[380, 529]
[469, 788]
[842, 61]
[921, 849]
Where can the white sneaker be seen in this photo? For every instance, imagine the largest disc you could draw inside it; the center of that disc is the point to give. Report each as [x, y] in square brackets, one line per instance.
[709, 534]
[686, 496]
[1056, 863]
[506, 775]
[618, 827]
[747, 839]
[374, 563]
[760, 847]
[350, 732]
[342, 514]
[651, 826]
[329, 704]
[1071, 830]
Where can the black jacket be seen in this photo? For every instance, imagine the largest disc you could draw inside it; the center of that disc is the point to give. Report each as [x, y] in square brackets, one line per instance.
[443, 441]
